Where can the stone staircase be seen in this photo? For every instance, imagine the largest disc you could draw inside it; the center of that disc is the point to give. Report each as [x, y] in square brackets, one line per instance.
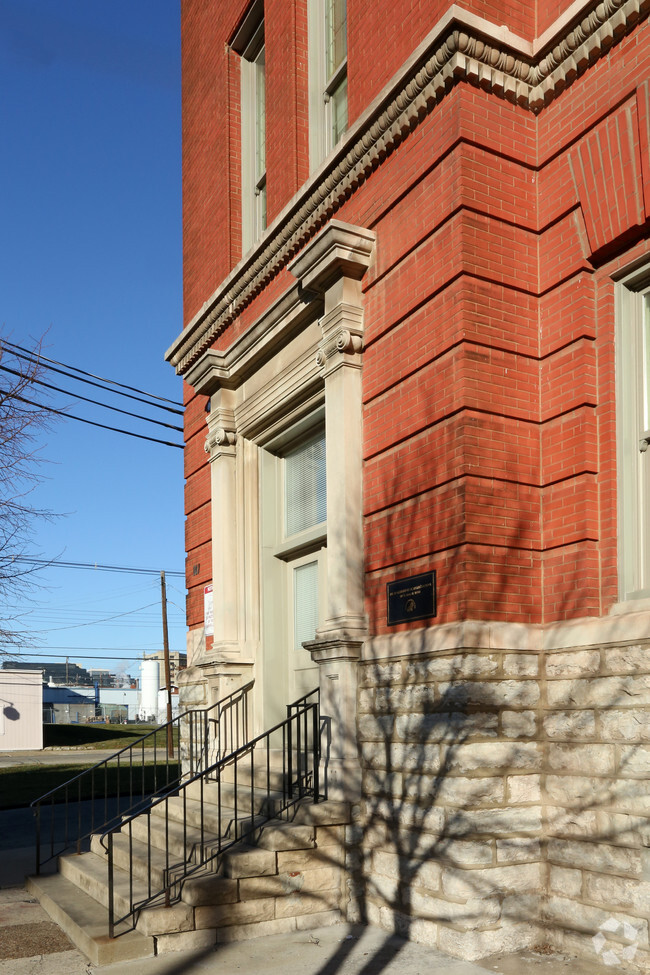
[287, 875]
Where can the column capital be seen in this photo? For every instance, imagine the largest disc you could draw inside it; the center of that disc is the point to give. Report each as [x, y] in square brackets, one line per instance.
[342, 338]
[220, 440]
[222, 428]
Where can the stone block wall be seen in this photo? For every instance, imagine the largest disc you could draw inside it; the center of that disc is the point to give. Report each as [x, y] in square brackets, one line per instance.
[505, 794]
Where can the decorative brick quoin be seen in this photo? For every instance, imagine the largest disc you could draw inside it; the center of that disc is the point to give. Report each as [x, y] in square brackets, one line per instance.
[416, 364]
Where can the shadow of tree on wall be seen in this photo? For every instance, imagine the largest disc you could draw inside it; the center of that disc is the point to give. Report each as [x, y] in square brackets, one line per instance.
[439, 846]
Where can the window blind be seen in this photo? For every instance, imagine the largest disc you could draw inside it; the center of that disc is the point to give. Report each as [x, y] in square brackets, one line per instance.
[305, 490]
[305, 603]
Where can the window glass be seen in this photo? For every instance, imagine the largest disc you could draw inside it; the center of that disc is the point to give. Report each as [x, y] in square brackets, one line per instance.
[337, 43]
[260, 139]
[339, 99]
[305, 490]
[305, 603]
[253, 130]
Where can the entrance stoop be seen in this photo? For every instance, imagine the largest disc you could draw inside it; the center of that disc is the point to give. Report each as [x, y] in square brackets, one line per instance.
[292, 878]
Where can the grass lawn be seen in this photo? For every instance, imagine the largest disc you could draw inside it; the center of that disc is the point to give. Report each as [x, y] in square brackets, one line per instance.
[21, 784]
[114, 736]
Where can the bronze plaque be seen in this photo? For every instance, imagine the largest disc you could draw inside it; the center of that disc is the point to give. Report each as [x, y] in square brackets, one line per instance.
[413, 598]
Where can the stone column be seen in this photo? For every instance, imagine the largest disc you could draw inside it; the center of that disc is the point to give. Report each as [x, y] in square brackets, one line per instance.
[221, 446]
[333, 265]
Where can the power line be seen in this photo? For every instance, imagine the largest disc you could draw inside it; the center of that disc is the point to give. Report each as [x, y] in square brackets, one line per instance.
[82, 656]
[73, 650]
[76, 626]
[92, 423]
[95, 565]
[86, 399]
[40, 359]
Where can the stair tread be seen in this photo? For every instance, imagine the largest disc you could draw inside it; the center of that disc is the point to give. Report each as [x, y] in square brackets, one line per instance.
[175, 828]
[193, 806]
[85, 921]
[95, 869]
[141, 852]
[192, 831]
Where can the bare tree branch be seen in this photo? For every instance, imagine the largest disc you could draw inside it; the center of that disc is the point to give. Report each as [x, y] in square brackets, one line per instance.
[21, 439]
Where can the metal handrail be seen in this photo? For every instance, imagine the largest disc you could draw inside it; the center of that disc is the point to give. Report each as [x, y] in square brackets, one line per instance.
[299, 733]
[138, 794]
[301, 701]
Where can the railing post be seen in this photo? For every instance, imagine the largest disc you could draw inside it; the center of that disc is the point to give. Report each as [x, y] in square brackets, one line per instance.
[79, 816]
[289, 757]
[316, 751]
[37, 811]
[300, 757]
[206, 740]
[111, 906]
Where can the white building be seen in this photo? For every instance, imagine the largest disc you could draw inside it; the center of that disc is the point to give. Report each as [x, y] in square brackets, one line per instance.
[21, 710]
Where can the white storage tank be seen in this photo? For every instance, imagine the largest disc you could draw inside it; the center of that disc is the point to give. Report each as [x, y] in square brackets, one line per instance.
[149, 687]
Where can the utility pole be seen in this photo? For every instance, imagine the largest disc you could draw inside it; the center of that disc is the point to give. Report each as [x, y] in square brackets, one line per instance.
[168, 681]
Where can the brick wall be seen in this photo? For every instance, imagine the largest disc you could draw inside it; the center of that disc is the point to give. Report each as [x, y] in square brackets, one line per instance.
[488, 370]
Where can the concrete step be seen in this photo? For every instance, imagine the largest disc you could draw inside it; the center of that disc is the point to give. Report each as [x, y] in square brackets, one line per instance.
[248, 861]
[330, 812]
[148, 863]
[267, 802]
[179, 838]
[267, 770]
[278, 836]
[196, 812]
[89, 873]
[175, 808]
[85, 922]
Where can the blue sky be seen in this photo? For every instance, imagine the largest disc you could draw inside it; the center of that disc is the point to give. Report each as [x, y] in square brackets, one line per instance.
[90, 261]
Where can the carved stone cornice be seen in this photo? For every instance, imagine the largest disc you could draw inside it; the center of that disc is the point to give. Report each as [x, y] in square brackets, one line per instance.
[462, 47]
[336, 647]
[340, 250]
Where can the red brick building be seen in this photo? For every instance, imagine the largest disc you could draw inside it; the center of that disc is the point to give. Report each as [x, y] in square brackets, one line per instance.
[416, 267]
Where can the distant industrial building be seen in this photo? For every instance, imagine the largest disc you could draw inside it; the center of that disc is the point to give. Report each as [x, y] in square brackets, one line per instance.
[72, 675]
[177, 661]
[55, 672]
[98, 694]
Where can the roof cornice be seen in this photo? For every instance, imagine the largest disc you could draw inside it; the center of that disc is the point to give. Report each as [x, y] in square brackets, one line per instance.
[463, 47]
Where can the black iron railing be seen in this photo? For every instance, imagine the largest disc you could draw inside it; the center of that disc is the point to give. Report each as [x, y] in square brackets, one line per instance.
[296, 775]
[232, 800]
[126, 782]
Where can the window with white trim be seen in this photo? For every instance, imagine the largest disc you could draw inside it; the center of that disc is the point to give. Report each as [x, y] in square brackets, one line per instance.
[328, 76]
[249, 43]
[633, 434]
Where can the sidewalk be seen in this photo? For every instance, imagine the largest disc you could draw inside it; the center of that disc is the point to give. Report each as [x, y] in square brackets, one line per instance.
[56, 756]
[338, 950]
